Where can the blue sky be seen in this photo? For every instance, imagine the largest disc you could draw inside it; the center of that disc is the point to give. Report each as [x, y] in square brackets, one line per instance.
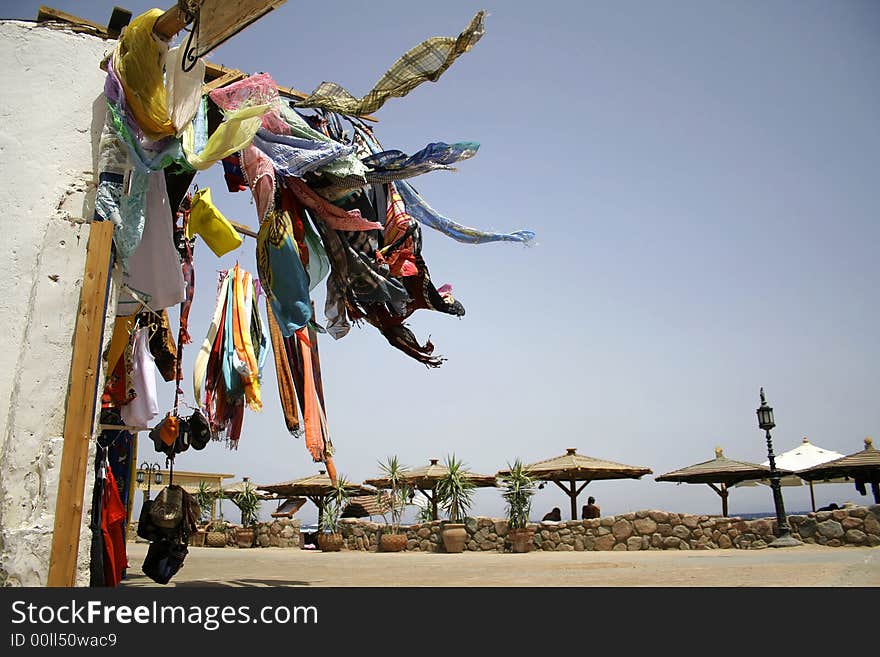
[702, 178]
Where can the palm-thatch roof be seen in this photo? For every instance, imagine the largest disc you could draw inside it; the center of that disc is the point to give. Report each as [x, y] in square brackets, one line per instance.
[863, 467]
[363, 506]
[572, 467]
[427, 476]
[313, 485]
[722, 471]
[425, 480]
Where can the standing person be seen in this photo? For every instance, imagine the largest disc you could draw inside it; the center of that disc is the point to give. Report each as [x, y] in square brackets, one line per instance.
[590, 509]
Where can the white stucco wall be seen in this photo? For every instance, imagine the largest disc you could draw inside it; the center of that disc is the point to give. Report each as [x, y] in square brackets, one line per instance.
[51, 112]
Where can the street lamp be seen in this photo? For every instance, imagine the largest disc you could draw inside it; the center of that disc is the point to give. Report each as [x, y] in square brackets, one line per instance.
[149, 472]
[765, 422]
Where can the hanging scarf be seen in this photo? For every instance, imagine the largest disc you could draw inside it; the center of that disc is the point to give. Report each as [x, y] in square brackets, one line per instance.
[246, 364]
[286, 389]
[137, 60]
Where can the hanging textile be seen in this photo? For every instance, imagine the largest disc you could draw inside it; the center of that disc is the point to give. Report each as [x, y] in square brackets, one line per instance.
[140, 411]
[226, 375]
[426, 61]
[137, 60]
[154, 268]
[236, 132]
[183, 89]
[286, 389]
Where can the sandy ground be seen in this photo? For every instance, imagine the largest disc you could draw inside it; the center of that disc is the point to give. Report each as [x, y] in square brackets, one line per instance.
[803, 566]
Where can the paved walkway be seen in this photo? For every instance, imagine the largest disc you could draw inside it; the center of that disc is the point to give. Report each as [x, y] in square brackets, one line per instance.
[807, 565]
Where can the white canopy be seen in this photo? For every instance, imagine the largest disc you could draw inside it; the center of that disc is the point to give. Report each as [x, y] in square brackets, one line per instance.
[804, 456]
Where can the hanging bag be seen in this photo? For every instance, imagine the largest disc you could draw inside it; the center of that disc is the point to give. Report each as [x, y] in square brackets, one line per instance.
[167, 509]
[164, 558]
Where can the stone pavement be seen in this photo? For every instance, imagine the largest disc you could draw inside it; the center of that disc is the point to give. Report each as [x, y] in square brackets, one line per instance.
[803, 566]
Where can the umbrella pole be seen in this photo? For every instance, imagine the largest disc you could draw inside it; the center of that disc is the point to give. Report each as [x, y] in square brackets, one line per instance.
[875, 489]
[722, 493]
[812, 497]
[573, 495]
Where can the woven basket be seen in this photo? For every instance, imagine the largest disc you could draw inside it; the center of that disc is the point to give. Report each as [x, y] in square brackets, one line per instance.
[215, 539]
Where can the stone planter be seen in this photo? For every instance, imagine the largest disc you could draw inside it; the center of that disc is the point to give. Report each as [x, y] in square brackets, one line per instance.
[521, 539]
[454, 537]
[392, 542]
[329, 542]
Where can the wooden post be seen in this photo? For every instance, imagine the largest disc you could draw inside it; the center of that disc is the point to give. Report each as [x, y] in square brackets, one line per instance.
[812, 497]
[724, 494]
[79, 416]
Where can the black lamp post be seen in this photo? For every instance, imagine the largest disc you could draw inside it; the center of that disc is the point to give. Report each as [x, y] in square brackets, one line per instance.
[765, 422]
[149, 472]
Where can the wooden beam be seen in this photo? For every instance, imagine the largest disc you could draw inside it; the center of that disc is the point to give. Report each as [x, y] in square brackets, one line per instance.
[244, 230]
[171, 22]
[79, 413]
[49, 14]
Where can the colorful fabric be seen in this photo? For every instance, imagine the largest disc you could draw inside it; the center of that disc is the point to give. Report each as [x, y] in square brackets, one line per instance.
[235, 133]
[282, 274]
[200, 368]
[434, 154]
[425, 214]
[286, 389]
[247, 367]
[295, 156]
[426, 61]
[137, 60]
[331, 215]
[343, 166]
[259, 175]
[207, 221]
[140, 411]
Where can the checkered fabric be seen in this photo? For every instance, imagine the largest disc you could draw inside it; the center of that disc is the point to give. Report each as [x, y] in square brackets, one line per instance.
[426, 61]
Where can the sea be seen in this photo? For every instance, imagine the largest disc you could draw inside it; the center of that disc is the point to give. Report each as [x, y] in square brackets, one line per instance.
[767, 514]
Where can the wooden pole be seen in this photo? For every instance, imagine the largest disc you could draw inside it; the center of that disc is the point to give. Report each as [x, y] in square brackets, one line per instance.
[79, 416]
[724, 495]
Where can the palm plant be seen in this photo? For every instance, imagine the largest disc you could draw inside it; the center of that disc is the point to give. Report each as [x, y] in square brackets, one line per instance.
[518, 487]
[455, 490]
[399, 495]
[205, 499]
[248, 503]
[334, 504]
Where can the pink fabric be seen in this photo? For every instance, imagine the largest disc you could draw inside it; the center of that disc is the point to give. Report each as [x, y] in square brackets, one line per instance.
[336, 218]
[254, 90]
[260, 176]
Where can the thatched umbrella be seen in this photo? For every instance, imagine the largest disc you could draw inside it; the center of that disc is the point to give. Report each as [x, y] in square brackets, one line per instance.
[722, 471]
[363, 506]
[572, 467]
[804, 456]
[315, 487]
[425, 478]
[863, 467]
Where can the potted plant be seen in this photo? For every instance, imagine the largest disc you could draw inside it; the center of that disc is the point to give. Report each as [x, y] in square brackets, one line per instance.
[518, 487]
[216, 536]
[391, 539]
[454, 493]
[329, 538]
[248, 503]
[205, 500]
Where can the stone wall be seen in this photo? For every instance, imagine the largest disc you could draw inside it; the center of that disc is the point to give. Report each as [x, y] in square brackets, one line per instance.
[640, 530]
[280, 532]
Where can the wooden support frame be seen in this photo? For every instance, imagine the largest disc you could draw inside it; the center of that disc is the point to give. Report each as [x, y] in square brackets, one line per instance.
[573, 493]
[82, 395]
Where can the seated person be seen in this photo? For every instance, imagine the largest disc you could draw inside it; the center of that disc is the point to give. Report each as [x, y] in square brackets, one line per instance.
[590, 509]
[555, 514]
